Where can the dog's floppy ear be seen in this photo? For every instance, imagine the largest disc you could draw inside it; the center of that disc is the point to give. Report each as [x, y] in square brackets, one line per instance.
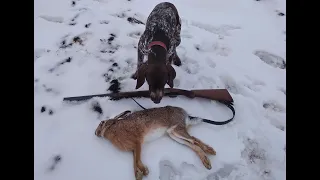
[141, 75]
[171, 75]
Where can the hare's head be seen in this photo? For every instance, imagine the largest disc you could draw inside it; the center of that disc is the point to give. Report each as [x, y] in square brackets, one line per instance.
[104, 126]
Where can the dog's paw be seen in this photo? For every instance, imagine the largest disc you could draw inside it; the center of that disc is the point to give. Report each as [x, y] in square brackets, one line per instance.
[177, 61]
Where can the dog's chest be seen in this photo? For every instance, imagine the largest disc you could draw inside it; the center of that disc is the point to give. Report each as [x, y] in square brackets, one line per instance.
[145, 58]
[154, 134]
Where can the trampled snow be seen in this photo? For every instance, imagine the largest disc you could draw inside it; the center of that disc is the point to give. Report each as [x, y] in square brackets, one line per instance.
[238, 45]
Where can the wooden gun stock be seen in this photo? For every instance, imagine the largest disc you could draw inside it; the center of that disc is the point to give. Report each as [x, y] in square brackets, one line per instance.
[212, 94]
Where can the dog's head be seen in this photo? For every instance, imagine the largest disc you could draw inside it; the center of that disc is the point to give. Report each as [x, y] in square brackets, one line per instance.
[103, 126]
[157, 76]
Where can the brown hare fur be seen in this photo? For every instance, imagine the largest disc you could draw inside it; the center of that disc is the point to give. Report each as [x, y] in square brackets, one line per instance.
[129, 131]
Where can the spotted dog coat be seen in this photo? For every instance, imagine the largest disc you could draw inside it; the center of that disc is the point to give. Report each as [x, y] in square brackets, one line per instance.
[157, 46]
[163, 17]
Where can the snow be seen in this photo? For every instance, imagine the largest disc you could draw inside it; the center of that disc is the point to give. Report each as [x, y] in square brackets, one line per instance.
[241, 47]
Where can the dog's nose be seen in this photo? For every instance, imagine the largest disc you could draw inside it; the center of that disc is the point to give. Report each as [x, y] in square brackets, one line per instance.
[156, 101]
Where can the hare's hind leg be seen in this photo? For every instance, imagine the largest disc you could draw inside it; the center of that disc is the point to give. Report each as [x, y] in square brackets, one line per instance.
[139, 168]
[205, 147]
[193, 140]
[179, 134]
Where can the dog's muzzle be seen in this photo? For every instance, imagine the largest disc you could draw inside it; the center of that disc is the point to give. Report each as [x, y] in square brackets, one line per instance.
[156, 96]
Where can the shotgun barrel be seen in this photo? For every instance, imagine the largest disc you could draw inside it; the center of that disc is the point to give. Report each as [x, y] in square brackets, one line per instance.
[113, 96]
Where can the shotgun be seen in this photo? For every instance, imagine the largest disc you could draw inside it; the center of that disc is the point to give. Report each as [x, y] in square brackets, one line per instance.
[221, 95]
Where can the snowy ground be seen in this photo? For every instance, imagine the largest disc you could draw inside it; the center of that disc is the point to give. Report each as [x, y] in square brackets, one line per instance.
[238, 45]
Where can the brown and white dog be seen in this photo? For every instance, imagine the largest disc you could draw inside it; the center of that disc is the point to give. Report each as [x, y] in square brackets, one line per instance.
[157, 50]
[128, 131]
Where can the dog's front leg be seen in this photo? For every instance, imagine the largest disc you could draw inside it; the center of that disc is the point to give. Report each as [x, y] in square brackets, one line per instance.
[175, 58]
[140, 62]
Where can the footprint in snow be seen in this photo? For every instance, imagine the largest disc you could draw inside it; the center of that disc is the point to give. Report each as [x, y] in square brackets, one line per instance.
[185, 34]
[217, 48]
[107, 45]
[221, 30]
[271, 59]
[207, 82]
[167, 170]
[222, 173]
[44, 109]
[283, 90]
[210, 63]
[277, 121]
[279, 13]
[231, 85]
[40, 52]
[131, 20]
[95, 106]
[255, 85]
[253, 153]
[56, 160]
[65, 61]
[135, 34]
[73, 3]
[112, 69]
[104, 22]
[221, 49]
[257, 159]
[79, 39]
[190, 66]
[274, 106]
[87, 25]
[115, 86]
[55, 19]
[50, 90]
[73, 20]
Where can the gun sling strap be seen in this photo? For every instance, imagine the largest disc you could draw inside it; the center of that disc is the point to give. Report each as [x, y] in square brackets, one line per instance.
[226, 103]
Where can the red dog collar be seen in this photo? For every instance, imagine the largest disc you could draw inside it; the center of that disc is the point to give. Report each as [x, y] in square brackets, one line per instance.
[159, 43]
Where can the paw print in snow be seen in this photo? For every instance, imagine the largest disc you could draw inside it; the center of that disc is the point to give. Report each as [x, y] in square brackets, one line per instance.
[210, 63]
[273, 106]
[191, 67]
[271, 59]
[231, 85]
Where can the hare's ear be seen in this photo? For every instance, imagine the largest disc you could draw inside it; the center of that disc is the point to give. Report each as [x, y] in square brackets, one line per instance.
[141, 75]
[99, 129]
[171, 75]
[122, 115]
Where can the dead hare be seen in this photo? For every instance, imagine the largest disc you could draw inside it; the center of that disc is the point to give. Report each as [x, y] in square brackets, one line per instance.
[128, 131]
